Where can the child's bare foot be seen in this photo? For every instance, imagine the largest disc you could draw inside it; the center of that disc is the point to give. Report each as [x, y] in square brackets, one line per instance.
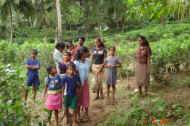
[97, 98]
[66, 122]
[85, 118]
[94, 91]
[49, 123]
[102, 97]
[75, 124]
[114, 102]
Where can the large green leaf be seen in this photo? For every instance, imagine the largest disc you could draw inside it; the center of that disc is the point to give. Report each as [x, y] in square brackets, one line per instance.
[16, 2]
[2, 2]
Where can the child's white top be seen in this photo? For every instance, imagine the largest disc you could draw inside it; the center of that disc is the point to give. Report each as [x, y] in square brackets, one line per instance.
[57, 56]
[83, 69]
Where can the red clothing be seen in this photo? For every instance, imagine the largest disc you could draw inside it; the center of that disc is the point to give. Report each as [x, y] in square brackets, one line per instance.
[142, 54]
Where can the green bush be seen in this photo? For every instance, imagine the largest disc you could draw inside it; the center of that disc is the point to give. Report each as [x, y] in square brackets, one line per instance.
[11, 106]
[168, 54]
[145, 112]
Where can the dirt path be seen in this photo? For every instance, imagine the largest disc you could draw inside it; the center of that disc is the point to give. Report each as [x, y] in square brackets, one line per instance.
[98, 110]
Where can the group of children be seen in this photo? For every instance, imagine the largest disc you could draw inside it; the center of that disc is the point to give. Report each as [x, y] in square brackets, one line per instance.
[67, 82]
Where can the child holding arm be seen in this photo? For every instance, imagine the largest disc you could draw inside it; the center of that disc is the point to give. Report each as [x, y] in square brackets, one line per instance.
[111, 64]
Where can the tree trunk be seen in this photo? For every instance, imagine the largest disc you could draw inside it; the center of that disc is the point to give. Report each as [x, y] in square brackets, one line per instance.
[59, 21]
[11, 25]
[162, 20]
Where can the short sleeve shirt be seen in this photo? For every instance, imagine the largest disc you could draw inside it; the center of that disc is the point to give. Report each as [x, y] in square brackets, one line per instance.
[112, 60]
[70, 84]
[83, 68]
[53, 82]
[63, 67]
[34, 62]
[98, 55]
[142, 54]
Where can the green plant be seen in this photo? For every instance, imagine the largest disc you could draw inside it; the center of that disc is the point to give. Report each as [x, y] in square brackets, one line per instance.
[11, 106]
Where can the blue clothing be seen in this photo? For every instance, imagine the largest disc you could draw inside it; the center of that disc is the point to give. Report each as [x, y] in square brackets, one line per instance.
[83, 69]
[53, 82]
[70, 84]
[33, 75]
[63, 67]
[33, 81]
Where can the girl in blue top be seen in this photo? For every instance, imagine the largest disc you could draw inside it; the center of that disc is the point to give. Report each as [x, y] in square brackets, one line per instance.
[53, 92]
[33, 66]
[71, 83]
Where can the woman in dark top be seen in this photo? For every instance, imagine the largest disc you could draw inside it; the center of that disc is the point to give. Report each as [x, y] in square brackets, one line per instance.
[98, 57]
[143, 56]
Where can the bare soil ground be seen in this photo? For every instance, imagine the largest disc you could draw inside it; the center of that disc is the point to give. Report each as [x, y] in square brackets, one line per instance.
[100, 109]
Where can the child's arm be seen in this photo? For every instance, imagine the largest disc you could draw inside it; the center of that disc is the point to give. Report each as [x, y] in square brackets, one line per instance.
[45, 90]
[63, 81]
[29, 66]
[78, 86]
[36, 67]
[118, 65]
[63, 91]
[46, 87]
[107, 65]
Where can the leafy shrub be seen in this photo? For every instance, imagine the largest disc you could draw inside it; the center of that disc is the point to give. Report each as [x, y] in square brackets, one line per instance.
[11, 107]
[149, 112]
[157, 32]
[168, 54]
[12, 53]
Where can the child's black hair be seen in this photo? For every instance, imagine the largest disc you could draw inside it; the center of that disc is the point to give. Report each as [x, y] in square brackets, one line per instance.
[101, 41]
[81, 51]
[82, 38]
[145, 42]
[35, 51]
[71, 65]
[112, 47]
[49, 69]
[60, 45]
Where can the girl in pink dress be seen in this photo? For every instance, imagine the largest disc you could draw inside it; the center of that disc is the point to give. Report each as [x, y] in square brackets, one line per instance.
[53, 93]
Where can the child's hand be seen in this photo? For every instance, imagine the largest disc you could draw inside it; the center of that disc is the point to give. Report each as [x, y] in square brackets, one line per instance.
[35, 67]
[110, 66]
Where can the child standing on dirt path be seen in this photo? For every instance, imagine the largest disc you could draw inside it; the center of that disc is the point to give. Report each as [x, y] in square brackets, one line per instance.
[83, 68]
[71, 83]
[111, 64]
[142, 72]
[33, 66]
[98, 56]
[53, 93]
